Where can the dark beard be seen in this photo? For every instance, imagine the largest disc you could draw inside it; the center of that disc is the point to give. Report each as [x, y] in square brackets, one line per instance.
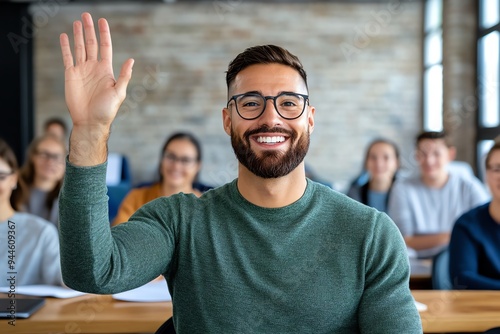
[272, 163]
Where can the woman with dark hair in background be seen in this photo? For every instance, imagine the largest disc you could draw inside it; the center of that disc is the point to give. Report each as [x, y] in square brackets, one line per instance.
[475, 240]
[42, 177]
[36, 241]
[179, 167]
[380, 166]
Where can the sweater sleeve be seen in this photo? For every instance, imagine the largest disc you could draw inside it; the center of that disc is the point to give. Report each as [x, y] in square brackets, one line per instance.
[387, 305]
[96, 258]
[464, 257]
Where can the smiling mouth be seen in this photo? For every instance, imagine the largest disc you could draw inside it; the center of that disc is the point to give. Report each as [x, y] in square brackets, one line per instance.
[270, 139]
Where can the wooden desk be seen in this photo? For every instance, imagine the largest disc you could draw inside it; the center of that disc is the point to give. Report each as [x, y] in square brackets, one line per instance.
[92, 314]
[448, 311]
[459, 311]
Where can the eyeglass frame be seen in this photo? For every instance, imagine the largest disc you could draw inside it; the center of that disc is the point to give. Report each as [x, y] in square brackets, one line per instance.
[184, 161]
[493, 169]
[234, 97]
[47, 156]
[4, 176]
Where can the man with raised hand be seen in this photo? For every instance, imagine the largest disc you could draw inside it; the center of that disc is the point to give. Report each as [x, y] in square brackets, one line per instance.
[270, 252]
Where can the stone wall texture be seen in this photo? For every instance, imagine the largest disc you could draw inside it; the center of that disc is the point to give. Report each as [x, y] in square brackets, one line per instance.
[363, 62]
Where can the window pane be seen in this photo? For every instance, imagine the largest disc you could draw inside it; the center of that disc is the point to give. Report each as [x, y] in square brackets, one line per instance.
[433, 53]
[489, 14]
[433, 14]
[433, 98]
[488, 79]
[483, 147]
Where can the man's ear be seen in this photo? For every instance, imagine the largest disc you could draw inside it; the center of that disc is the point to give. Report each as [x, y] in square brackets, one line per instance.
[310, 118]
[226, 120]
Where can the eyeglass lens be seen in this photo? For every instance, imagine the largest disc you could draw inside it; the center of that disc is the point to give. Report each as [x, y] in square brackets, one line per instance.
[288, 105]
[51, 156]
[184, 161]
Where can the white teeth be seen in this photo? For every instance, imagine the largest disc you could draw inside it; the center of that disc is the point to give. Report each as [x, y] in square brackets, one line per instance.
[275, 139]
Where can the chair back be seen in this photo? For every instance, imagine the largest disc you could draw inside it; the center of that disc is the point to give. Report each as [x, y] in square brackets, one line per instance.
[441, 279]
[118, 180]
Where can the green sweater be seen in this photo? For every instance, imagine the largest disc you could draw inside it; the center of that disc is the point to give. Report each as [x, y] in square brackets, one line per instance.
[324, 264]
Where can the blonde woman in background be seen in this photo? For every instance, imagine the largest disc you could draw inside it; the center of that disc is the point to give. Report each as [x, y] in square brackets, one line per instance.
[36, 246]
[42, 176]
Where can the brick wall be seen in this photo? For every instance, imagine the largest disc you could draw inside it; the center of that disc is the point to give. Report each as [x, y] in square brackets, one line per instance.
[363, 63]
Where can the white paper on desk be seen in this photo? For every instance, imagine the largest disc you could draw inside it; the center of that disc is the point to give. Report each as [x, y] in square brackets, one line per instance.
[44, 291]
[420, 306]
[155, 291]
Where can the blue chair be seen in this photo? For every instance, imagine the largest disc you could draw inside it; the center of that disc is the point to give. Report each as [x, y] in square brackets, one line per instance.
[441, 279]
[119, 182]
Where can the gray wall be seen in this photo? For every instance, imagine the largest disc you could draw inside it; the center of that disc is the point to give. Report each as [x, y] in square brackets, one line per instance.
[363, 63]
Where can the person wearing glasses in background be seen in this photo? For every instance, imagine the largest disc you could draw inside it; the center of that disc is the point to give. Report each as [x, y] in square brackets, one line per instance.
[179, 167]
[269, 252]
[475, 240]
[42, 177]
[29, 241]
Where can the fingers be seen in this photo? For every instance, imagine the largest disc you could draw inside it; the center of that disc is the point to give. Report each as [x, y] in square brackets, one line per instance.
[80, 54]
[90, 37]
[85, 39]
[124, 78]
[105, 43]
[66, 51]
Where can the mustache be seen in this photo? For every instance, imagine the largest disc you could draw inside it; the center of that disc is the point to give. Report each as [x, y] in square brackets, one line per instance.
[267, 129]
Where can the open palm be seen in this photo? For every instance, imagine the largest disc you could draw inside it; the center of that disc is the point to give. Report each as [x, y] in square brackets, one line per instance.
[93, 96]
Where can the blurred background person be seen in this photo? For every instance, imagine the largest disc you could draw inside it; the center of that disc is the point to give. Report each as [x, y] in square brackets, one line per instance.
[57, 127]
[178, 170]
[373, 186]
[42, 176]
[475, 240]
[36, 243]
[425, 206]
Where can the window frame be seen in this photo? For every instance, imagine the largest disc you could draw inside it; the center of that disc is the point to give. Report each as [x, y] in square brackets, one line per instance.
[484, 134]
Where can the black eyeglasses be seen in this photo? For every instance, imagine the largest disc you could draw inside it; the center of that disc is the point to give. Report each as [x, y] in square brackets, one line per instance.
[494, 169]
[4, 175]
[184, 161]
[252, 105]
[47, 156]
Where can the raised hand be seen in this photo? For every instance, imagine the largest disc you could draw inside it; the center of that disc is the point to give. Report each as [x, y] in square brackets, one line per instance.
[93, 96]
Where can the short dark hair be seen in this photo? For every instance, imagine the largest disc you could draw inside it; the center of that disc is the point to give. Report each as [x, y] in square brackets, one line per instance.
[263, 54]
[433, 135]
[55, 120]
